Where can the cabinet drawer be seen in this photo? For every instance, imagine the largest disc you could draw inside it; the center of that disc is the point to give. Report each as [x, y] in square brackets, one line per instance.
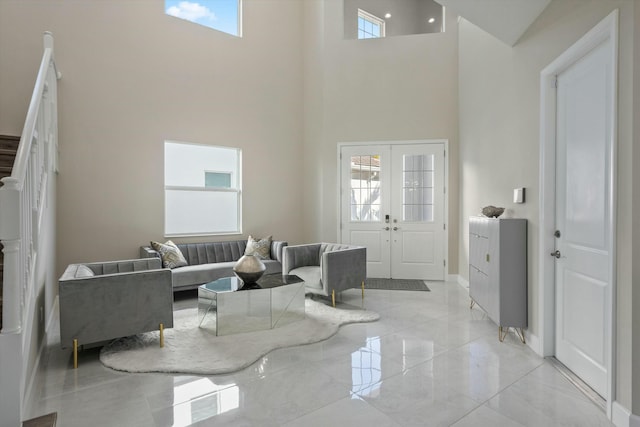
[479, 226]
[478, 252]
[478, 287]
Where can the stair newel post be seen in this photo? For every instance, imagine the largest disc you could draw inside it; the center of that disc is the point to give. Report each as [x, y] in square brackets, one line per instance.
[10, 227]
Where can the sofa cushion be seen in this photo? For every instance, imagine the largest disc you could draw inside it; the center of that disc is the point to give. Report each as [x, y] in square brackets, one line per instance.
[259, 247]
[213, 252]
[170, 254]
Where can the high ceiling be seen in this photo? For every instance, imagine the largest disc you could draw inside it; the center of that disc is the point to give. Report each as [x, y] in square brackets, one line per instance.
[505, 19]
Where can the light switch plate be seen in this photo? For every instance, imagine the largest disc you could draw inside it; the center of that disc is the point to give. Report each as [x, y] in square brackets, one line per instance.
[518, 195]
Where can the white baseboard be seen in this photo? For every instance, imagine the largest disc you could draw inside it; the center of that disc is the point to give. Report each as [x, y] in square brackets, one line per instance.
[451, 278]
[533, 341]
[622, 417]
[463, 282]
[28, 395]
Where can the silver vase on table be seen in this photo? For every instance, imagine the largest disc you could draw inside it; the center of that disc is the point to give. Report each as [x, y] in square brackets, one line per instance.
[249, 269]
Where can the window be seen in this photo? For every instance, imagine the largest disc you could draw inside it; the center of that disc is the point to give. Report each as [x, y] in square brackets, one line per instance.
[202, 189]
[369, 26]
[365, 188]
[417, 188]
[221, 15]
[217, 179]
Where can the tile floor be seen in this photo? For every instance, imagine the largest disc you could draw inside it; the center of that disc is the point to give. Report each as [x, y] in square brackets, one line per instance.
[429, 361]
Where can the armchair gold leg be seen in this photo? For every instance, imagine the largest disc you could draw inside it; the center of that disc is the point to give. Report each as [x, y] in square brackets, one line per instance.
[333, 298]
[363, 289]
[75, 354]
[161, 335]
[502, 333]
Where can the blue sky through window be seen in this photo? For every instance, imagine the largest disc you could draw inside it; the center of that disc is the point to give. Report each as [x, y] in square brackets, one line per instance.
[220, 15]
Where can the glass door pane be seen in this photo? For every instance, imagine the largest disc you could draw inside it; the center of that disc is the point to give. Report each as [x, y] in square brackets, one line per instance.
[417, 188]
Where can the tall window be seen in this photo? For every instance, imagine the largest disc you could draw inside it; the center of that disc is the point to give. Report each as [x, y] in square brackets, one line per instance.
[365, 188]
[221, 15]
[417, 188]
[202, 189]
[369, 26]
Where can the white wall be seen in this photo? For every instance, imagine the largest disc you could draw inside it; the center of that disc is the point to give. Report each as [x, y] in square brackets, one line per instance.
[499, 139]
[135, 77]
[397, 88]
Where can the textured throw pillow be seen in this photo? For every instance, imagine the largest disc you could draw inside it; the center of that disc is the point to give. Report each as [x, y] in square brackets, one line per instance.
[170, 254]
[259, 247]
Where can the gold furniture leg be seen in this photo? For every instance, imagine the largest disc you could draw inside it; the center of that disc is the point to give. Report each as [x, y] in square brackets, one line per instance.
[502, 333]
[333, 298]
[472, 304]
[75, 354]
[363, 289]
[520, 333]
[161, 335]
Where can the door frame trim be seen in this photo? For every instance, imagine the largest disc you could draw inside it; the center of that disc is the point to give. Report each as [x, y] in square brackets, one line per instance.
[607, 29]
[447, 191]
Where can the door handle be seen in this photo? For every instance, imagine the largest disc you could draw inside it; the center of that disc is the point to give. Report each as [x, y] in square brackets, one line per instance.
[396, 228]
[386, 228]
[556, 254]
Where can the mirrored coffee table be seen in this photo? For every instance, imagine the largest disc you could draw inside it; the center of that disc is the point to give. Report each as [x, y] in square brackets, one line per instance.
[226, 306]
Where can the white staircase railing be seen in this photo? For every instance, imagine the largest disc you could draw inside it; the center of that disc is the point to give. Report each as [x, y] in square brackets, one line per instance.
[25, 218]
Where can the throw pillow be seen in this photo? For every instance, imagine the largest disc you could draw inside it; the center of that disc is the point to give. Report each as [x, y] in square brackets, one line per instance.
[170, 254]
[259, 247]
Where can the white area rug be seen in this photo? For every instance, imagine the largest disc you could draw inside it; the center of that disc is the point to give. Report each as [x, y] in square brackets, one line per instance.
[191, 350]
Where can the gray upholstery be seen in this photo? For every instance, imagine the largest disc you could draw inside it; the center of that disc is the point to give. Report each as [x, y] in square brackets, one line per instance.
[213, 260]
[122, 298]
[326, 267]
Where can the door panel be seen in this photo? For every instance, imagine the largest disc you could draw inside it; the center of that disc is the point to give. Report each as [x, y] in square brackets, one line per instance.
[365, 204]
[417, 201]
[583, 292]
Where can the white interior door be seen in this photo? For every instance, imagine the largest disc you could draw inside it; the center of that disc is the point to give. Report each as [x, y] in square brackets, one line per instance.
[417, 214]
[392, 202]
[365, 203]
[583, 215]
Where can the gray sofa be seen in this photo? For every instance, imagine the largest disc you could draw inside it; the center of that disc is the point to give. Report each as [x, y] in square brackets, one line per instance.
[213, 260]
[107, 300]
[327, 268]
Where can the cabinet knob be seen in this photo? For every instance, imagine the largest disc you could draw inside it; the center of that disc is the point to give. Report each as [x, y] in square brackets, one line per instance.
[556, 254]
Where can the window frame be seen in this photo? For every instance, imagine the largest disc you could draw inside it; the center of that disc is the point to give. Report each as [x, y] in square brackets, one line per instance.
[237, 190]
[374, 20]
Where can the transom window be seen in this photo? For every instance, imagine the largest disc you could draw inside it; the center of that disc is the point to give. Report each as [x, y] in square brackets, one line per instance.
[202, 189]
[369, 26]
[221, 15]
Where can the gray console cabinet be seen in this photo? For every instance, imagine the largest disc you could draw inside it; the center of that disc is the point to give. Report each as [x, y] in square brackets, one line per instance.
[498, 270]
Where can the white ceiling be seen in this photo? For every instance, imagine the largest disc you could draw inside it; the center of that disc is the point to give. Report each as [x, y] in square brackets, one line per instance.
[505, 19]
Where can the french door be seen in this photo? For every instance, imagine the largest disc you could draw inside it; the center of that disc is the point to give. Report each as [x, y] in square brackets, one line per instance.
[392, 202]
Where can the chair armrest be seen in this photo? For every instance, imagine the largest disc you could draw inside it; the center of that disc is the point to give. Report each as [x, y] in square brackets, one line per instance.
[148, 252]
[276, 249]
[300, 256]
[104, 307]
[344, 268]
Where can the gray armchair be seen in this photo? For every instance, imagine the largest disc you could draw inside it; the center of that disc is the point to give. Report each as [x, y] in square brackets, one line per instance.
[108, 300]
[327, 268]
